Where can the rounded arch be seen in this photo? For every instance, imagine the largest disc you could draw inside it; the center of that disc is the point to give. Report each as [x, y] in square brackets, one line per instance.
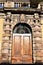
[22, 28]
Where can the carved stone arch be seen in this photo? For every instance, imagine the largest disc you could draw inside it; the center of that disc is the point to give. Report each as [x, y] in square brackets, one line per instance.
[22, 28]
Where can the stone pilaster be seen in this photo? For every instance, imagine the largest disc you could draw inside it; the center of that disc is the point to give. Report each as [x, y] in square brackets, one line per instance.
[7, 40]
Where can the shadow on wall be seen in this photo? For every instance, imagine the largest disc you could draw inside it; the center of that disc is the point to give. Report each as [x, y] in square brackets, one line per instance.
[37, 63]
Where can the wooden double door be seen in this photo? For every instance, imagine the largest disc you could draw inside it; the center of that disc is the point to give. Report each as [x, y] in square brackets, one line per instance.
[22, 48]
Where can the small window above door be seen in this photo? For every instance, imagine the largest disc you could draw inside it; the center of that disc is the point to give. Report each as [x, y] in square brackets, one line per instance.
[22, 28]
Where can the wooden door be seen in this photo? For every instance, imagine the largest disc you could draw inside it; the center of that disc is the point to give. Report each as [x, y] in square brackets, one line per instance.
[22, 48]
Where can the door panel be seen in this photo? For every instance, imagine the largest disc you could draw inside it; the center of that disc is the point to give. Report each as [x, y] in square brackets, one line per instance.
[26, 43]
[22, 49]
[17, 46]
[16, 49]
[27, 57]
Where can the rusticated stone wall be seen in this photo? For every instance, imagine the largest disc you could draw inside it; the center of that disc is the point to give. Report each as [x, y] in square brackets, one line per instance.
[36, 23]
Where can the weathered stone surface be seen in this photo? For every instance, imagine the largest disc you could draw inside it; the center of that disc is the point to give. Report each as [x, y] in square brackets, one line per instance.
[37, 33]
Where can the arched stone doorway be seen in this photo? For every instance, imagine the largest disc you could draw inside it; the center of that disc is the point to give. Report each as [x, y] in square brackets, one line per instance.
[22, 43]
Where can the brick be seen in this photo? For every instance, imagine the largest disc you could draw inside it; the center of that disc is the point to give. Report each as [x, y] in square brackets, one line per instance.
[5, 51]
[9, 59]
[4, 55]
[37, 28]
[39, 53]
[38, 58]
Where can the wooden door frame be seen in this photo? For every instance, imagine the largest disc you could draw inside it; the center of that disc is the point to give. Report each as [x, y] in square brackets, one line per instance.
[12, 54]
